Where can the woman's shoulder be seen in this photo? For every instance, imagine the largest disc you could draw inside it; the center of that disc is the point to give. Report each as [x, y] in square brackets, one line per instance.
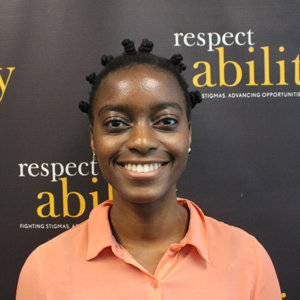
[237, 246]
[62, 243]
[80, 233]
[226, 237]
[226, 230]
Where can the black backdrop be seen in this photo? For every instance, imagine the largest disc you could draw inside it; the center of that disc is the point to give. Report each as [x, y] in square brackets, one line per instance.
[244, 167]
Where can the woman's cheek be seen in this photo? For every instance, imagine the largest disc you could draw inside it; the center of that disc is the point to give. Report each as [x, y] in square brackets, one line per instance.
[177, 144]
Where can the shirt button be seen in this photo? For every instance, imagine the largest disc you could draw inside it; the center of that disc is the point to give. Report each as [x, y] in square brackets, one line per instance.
[176, 248]
[154, 284]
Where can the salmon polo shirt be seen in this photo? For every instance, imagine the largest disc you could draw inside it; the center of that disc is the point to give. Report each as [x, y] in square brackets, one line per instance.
[214, 261]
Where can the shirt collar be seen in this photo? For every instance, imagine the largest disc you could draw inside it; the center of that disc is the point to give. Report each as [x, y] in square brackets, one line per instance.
[197, 231]
[100, 235]
[99, 231]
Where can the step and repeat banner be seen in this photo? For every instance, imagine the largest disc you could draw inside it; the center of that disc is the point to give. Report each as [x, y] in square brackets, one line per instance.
[244, 168]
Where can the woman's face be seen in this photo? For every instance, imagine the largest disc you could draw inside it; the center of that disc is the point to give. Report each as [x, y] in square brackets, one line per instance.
[140, 133]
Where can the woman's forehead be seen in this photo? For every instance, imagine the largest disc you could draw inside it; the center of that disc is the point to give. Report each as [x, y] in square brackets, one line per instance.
[139, 90]
[139, 78]
[147, 82]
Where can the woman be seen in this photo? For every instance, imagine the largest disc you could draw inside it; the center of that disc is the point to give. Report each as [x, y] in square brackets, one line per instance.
[146, 244]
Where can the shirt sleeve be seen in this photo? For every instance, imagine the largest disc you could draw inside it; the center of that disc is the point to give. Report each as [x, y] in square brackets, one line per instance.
[31, 284]
[267, 285]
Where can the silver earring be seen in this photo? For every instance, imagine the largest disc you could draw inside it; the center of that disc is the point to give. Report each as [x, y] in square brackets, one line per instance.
[190, 150]
[94, 157]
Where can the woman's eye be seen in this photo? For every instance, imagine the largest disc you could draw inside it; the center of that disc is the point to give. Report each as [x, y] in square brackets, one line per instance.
[115, 124]
[166, 123]
[169, 121]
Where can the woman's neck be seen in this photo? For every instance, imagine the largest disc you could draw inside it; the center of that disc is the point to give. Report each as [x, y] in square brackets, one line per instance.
[163, 221]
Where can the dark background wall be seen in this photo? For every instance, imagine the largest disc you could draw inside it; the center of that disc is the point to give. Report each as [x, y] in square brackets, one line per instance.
[244, 167]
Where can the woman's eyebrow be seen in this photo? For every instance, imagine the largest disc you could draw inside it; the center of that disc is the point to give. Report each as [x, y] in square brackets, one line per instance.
[126, 108]
[164, 105]
[114, 107]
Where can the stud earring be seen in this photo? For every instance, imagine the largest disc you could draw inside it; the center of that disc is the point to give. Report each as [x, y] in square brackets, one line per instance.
[190, 150]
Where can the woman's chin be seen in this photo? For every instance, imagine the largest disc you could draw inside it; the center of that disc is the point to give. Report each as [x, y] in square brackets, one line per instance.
[144, 196]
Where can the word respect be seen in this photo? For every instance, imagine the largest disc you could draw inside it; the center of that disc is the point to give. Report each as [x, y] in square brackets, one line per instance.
[213, 39]
[57, 169]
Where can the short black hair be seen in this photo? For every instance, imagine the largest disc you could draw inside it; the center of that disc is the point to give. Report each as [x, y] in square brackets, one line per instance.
[143, 57]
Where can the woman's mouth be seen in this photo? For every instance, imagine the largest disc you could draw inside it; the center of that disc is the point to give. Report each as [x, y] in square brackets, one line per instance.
[143, 170]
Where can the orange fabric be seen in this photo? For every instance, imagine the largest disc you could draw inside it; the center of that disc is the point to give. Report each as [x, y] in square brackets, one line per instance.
[214, 261]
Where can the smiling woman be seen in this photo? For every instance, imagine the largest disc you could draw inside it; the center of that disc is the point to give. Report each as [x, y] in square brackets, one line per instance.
[145, 127]
[146, 243]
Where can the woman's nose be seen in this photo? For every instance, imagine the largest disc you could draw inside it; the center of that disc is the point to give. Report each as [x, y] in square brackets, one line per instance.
[142, 138]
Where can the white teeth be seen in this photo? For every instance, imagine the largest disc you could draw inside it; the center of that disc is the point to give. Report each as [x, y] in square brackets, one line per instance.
[142, 168]
[146, 168]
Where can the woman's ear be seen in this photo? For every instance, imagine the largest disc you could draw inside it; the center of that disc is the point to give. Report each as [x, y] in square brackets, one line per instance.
[92, 138]
[190, 134]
